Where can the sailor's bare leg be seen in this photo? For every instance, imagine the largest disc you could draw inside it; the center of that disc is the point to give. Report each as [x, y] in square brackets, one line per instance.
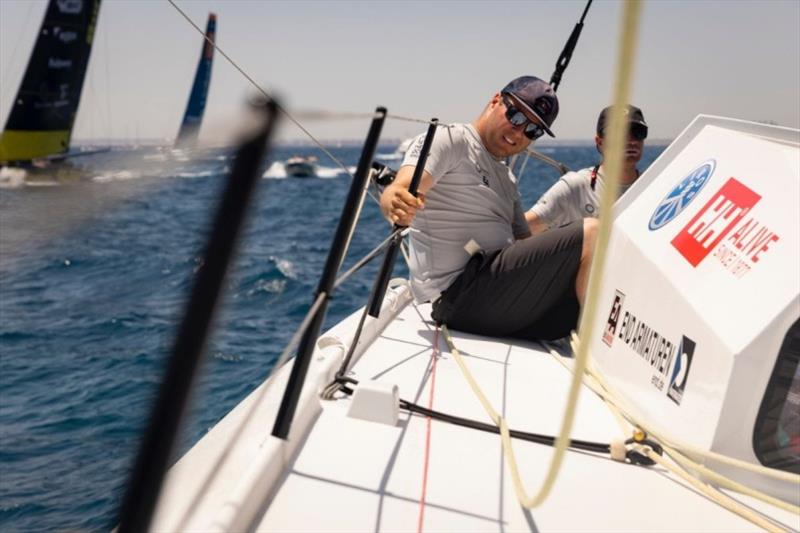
[590, 226]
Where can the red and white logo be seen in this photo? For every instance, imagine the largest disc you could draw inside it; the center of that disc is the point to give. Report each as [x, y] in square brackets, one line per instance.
[723, 218]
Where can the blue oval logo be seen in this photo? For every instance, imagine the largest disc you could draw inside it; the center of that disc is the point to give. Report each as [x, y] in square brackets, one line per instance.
[681, 196]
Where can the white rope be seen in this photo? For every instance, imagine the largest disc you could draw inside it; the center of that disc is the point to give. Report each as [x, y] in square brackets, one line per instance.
[606, 390]
[716, 496]
[675, 450]
[614, 156]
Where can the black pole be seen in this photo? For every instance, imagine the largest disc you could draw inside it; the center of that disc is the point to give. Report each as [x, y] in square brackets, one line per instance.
[305, 348]
[566, 54]
[165, 420]
[382, 281]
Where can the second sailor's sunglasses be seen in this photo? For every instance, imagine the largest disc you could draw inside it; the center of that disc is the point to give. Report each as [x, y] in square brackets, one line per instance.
[517, 118]
[637, 131]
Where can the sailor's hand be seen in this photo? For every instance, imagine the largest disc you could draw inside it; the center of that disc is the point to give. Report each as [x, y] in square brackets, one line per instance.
[404, 207]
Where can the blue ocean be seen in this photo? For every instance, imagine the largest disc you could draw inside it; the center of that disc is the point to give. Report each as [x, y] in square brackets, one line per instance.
[94, 276]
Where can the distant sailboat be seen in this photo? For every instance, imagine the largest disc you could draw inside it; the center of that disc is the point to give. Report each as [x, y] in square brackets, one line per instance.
[43, 114]
[192, 118]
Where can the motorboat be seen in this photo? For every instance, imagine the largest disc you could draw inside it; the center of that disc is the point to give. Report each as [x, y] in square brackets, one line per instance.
[301, 167]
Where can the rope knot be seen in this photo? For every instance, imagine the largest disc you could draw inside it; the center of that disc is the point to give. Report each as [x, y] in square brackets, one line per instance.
[637, 453]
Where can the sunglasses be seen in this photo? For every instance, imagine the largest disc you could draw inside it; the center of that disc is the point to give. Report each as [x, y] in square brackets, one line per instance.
[637, 131]
[517, 118]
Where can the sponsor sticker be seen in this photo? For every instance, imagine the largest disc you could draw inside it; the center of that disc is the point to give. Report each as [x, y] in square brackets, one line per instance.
[682, 195]
[724, 229]
[680, 372]
[669, 362]
[613, 318]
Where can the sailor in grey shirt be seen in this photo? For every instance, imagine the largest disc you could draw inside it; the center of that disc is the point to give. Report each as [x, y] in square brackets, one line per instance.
[471, 252]
[480, 192]
[577, 194]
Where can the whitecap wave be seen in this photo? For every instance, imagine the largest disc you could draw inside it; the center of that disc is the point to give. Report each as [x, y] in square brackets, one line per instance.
[285, 267]
[12, 178]
[333, 172]
[119, 175]
[273, 286]
[201, 174]
[155, 157]
[275, 171]
[41, 183]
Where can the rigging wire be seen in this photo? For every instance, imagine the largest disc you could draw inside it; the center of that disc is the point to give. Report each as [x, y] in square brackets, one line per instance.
[318, 114]
[281, 108]
[369, 256]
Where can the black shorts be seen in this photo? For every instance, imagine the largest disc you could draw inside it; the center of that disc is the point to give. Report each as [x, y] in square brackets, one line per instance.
[526, 290]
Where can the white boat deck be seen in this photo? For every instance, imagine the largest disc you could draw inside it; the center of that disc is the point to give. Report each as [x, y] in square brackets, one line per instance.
[355, 475]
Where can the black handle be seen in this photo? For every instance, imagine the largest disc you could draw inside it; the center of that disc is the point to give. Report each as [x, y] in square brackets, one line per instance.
[305, 348]
[385, 273]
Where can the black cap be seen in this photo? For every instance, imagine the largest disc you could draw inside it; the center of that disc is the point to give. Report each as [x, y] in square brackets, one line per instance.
[537, 96]
[633, 113]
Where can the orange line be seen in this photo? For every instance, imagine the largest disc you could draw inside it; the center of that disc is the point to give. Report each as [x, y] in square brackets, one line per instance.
[434, 357]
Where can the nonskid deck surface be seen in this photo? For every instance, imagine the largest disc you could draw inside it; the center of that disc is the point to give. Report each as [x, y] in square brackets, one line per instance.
[356, 475]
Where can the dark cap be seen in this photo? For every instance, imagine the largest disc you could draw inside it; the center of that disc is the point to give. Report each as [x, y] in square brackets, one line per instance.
[633, 113]
[537, 96]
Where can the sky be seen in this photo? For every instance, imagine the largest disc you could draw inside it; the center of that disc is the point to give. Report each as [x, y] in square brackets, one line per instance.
[419, 59]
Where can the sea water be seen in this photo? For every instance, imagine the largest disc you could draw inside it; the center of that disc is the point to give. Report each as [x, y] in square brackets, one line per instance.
[94, 273]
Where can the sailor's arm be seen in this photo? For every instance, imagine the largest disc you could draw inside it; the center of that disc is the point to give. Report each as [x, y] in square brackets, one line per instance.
[551, 208]
[397, 204]
[535, 224]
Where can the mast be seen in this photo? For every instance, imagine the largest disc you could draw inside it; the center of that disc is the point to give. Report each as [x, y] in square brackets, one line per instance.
[192, 118]
[43, 113]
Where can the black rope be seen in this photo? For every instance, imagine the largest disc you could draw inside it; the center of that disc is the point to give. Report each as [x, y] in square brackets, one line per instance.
[635, 457]
[596, 447]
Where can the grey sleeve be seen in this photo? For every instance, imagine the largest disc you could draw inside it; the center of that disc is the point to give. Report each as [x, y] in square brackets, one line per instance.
[555, 207]
[520, 225]
[443, 155]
